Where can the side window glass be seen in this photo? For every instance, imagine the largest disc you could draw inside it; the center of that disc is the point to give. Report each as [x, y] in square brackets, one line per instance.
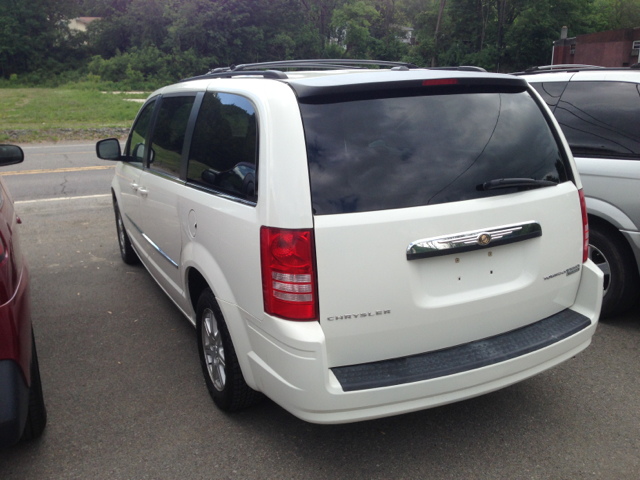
[601, 119]
[550, 92]
[168, 135]
[136, 147]
[223, 154]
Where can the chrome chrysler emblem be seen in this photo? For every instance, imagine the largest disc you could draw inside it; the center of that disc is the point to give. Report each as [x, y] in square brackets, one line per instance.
[484, 239]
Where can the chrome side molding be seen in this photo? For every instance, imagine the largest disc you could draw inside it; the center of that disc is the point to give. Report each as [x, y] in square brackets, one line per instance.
[150, 242]
[473, 240]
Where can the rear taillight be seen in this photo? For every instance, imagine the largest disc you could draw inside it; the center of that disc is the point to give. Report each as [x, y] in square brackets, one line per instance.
[585, 227]
[289, 282]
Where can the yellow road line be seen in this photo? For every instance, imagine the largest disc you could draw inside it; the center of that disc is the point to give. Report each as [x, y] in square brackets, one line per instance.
[55, 170]
[55, 153]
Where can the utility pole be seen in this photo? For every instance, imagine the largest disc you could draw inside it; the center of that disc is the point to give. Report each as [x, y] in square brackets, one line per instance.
[435, 44]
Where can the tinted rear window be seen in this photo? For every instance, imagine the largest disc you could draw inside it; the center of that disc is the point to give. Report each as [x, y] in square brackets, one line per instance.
[387, 153]
[550, 92]
[601, 119]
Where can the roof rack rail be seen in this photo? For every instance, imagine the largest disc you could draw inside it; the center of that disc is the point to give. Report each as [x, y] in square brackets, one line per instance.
[276, 74]
[562, 66]
[266, 69]
[461, 68]
[255, 69]
[335, 63]
[559, 68]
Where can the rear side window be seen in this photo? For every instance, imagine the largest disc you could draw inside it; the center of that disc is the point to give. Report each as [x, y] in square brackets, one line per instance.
[168, 135]
[601, 118]
[223, 155]
[550, 92]
[386, 153]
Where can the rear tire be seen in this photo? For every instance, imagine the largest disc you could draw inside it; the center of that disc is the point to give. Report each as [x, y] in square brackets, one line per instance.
[37, 413]
[218, 358]
[613, 256]
[129, 255]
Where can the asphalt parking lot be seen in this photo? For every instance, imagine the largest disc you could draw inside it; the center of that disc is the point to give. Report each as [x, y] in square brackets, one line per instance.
[126, 398]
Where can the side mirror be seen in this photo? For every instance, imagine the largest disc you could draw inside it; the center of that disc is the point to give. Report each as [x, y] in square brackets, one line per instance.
[209, 177]
[137, 153]
[10, 155]
[109, 149]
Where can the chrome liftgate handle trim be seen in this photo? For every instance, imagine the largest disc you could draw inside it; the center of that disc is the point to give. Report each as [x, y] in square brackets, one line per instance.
[473, 240]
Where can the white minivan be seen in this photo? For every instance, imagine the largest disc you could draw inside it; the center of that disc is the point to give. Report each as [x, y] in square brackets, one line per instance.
[598, 110]
[355, 243]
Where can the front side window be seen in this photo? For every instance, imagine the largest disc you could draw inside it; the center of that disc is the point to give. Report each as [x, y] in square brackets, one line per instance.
[601, 118]
[168, 135]
[387, 153]
[136, 144]
[223, 154]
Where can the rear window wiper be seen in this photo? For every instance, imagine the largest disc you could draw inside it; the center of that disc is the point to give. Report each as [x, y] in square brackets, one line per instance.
[514, 183]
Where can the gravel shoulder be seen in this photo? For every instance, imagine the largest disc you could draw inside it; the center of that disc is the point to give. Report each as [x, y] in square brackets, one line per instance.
[55, 135]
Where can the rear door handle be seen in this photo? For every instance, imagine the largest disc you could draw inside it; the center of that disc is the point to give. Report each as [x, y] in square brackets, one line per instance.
[143, 191]
[473, 240]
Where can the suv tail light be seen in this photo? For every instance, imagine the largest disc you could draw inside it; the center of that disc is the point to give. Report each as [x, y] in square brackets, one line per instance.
[289, 283]
[585, 227]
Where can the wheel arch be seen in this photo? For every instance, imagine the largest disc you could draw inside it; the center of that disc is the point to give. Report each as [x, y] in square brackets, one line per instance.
[609, 213]
[611, 229]
[196, 284]
[199, 277]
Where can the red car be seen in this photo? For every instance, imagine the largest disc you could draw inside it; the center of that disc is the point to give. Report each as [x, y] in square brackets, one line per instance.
[22, 410]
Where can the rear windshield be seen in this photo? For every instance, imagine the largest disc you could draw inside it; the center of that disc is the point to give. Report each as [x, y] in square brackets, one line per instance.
[386, 153]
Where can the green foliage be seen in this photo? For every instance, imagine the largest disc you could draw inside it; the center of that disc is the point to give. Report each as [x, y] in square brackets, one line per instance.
[143, 44]
[148, 68]
[34, 35]
[511, 34]
[614, 14]
[350, 26]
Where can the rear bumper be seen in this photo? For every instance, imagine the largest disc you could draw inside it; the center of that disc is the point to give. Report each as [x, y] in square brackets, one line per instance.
[14, 402]
[287, 362]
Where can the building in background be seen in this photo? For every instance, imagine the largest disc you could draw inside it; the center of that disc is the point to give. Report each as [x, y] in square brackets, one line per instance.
[405, 35]
[615, 48]
[81, 23]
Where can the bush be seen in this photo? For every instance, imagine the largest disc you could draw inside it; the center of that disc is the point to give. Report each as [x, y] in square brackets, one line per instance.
[149, 68]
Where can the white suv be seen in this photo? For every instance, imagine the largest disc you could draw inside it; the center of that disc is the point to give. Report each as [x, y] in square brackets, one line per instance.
[358, 243]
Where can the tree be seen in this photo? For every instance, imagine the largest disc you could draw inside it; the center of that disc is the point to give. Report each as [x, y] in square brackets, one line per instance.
[350, 25]
[319, 13]
[618, 13]
[34, 35]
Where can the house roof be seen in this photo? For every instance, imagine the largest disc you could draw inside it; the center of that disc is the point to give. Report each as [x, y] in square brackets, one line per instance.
[87, 20]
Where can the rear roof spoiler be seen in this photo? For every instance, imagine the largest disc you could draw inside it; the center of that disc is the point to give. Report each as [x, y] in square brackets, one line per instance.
[363, 90]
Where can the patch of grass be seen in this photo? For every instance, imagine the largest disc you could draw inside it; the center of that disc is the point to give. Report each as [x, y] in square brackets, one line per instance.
[46, 108]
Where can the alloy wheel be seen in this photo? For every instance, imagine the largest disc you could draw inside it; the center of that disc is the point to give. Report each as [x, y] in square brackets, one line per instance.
[121, 234]
[213, 350]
